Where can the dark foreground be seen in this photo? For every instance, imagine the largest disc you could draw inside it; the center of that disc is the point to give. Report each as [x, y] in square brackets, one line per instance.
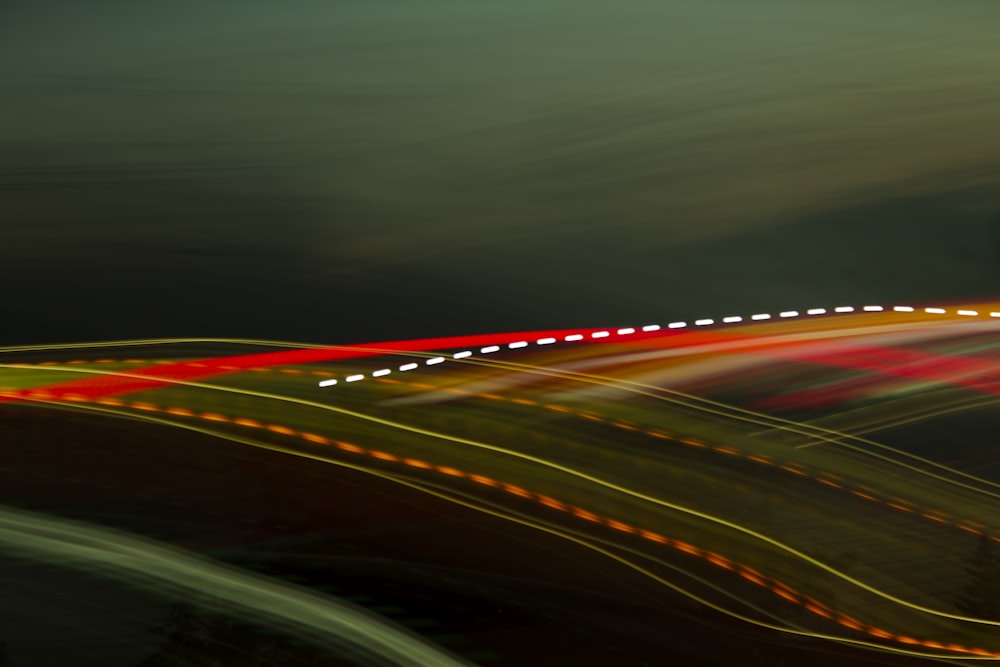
[487, 590]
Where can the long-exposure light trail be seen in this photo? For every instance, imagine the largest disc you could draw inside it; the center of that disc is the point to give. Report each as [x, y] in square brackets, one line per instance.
[779, 588]
[654, 436]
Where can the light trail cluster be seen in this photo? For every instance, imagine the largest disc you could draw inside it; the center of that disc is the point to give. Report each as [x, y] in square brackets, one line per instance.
[634, 460]
[650, 328]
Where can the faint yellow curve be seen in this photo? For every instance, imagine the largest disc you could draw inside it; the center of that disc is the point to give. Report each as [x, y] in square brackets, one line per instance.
[576, 538]
[560, 468]
[522, 521]
[818, 432]
[830, 436]
[917, 416]
[546, 371]
[834, 437]
[159, 341]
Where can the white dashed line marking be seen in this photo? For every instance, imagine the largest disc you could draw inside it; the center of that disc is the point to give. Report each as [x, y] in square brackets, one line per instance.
[730, 319]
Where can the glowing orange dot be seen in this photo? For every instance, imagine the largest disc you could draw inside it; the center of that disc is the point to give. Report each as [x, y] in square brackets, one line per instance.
[627, 427]
[517, 491]
[551, 502]
[721, 561]
[785, 594]
[584, 514]
[654, 537]
[849, 622]
[687, 548]
[618, 525]
[818, 610]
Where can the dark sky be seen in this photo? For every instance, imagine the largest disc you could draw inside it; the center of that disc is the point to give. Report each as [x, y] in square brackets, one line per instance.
[356, 170]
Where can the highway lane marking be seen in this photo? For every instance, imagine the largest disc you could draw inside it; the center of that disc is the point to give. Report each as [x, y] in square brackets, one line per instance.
[650, 328]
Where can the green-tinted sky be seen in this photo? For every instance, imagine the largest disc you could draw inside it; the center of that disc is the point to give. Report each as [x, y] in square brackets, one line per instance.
[334, 170]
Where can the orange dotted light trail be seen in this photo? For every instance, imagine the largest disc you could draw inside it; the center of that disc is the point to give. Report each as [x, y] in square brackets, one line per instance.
[747, 573]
